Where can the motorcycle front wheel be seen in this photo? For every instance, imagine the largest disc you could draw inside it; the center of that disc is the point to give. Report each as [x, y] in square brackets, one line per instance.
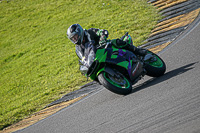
[118, 83]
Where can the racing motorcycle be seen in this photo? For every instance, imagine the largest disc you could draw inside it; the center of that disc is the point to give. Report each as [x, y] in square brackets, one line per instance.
[118, 69]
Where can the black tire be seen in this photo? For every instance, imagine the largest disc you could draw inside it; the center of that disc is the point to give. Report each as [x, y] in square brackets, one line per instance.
[108, 82]
[153, 70]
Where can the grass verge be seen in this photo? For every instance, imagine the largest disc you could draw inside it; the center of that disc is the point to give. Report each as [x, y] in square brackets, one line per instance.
[38, 63]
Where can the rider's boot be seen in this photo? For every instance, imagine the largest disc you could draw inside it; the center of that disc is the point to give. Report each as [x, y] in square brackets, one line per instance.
[132, 48]
[138, 51]
[125, 45]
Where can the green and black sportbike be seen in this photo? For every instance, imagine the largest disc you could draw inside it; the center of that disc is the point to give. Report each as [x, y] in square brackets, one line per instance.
[118, 69]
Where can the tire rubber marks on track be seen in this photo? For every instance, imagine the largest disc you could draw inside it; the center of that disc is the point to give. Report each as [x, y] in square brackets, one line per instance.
[179, 14]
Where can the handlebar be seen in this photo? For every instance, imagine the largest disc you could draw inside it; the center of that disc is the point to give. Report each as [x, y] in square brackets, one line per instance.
[105, 45]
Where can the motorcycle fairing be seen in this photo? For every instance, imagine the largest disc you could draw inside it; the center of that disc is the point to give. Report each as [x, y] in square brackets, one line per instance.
[119, 57]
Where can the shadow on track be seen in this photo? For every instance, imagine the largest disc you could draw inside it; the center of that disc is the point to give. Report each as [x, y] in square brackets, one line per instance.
[165, 77]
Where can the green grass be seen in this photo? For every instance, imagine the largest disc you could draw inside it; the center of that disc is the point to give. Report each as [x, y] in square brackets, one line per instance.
[38, 63]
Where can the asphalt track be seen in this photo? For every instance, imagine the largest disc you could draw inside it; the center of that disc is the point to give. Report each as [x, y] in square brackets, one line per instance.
[168, 104]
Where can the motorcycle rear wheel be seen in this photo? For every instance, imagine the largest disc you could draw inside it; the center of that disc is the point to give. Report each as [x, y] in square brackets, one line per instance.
[120, 84]
[155, 68]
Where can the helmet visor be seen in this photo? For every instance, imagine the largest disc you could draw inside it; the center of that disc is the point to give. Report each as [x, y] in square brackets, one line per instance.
[75, 38]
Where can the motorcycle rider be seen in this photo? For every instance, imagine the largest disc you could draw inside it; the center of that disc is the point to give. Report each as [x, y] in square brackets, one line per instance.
[80, 37]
